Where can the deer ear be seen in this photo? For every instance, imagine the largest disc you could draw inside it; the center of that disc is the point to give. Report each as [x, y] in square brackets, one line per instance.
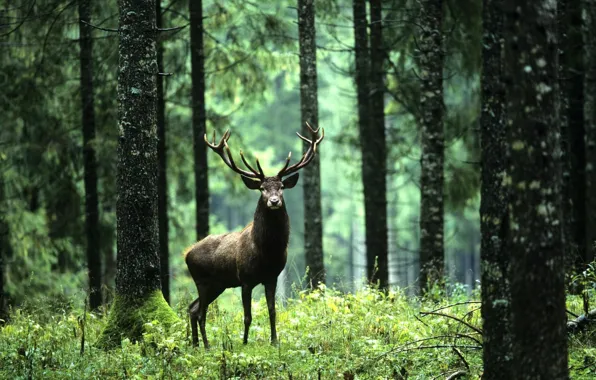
[251, 183]
[290, 181]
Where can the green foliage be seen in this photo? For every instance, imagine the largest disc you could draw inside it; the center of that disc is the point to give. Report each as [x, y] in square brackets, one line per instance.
[252, 88]
[368, 335]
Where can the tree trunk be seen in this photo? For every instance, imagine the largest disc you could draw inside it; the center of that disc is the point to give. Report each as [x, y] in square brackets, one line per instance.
[309, 110]
[573, 132]
[566, 201]
[362, 81]
[574, 77]
[199, 118]
[162, 183]
[5, 253]
[496, 312]
[590, 113]
[432, 140]
[534, 181]
[371, 90]
[138, 290]
[89, 160]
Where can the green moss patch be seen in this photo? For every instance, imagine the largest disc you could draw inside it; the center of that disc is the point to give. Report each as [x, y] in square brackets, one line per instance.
[127, 318]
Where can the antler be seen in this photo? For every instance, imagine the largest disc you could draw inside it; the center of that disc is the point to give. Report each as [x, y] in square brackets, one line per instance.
[307, 156]
[223, 150]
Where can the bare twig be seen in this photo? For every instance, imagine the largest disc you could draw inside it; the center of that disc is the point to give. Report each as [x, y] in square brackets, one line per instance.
[458, 353]
[174, 29]
[456, 375]
[453, 305]
[454, 318]
[99, 27]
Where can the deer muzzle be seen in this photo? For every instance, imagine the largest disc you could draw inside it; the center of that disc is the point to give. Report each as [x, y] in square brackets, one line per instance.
[274, 203]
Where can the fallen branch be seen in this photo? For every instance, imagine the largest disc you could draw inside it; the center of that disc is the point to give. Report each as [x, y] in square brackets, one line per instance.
[454, 318]
[455, 304]
[456, 375]
[580, 323]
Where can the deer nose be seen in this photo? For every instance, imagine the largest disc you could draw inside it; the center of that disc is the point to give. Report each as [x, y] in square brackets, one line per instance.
[275, 201]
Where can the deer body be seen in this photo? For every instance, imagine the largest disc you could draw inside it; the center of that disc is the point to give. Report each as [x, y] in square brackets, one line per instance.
[256, 255]
[253, 256]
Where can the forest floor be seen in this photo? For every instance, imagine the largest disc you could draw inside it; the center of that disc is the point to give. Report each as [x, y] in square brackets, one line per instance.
[323, 335]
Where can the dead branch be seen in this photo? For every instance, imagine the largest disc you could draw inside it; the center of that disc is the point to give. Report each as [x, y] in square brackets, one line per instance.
[454, 318]
[580, 323]
[456, 375]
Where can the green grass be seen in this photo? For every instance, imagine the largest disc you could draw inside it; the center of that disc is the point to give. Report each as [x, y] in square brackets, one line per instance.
[367, 335]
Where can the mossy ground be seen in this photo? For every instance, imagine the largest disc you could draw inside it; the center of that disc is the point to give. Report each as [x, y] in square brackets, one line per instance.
[327, 335]
[127, 318]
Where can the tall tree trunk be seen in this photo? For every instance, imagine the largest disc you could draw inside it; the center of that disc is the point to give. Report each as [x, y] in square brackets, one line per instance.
[89, 160]
[574, 85]
[362, 81]
[590, 113]
[199, 118]
[138, 289]
[431, 59]
[571, 97]
[371, 112]
[496, 312]
[162, 183]
[5, 252]
[566, 199]
[309, 110]
[534, 180]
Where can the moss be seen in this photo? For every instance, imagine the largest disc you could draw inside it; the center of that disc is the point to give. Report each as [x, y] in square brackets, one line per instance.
[128, 317]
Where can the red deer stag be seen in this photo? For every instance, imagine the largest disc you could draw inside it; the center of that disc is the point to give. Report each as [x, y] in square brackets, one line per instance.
[255, 255]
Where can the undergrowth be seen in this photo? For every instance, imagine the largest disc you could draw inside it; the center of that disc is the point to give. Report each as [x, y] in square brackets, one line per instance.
[323, 334]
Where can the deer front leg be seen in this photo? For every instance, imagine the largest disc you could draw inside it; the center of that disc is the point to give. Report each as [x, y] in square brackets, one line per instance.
[246, 303]
[270, 295]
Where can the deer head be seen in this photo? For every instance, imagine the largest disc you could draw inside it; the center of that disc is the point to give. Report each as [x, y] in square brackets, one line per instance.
[271, 187]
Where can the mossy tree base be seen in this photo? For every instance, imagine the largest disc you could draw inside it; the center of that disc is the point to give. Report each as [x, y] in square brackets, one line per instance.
[128, 317]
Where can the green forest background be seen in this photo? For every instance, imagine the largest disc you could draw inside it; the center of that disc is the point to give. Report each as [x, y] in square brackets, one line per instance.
[252, 78]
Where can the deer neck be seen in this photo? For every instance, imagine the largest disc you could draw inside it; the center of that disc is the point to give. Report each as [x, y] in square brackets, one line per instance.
[271, 228]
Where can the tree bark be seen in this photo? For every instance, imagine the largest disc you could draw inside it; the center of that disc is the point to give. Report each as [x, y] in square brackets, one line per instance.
[589, 30]
[89, 160]
[199, 118]
[432, 139]
[309, 110]
[162, 183]
[5, 253]
[362, 81]
[371, 112]
[138, 289]
[573, 131]
[534, 185]
[496, 306]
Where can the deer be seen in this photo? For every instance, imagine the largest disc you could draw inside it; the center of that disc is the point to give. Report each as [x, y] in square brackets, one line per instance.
[255, 255]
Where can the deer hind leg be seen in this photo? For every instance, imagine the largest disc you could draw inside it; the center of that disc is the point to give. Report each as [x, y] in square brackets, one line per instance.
[207, 294]
[270, 296]
[246, 303]
[193, 311]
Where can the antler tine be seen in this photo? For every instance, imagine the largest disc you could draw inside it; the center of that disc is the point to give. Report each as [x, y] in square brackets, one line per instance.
[314, 132]
[307, 156]
[287, 163]
[260, 173]
[223, 150]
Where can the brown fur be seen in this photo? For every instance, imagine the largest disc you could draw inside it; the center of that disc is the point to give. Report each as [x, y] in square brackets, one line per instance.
[255, 255]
